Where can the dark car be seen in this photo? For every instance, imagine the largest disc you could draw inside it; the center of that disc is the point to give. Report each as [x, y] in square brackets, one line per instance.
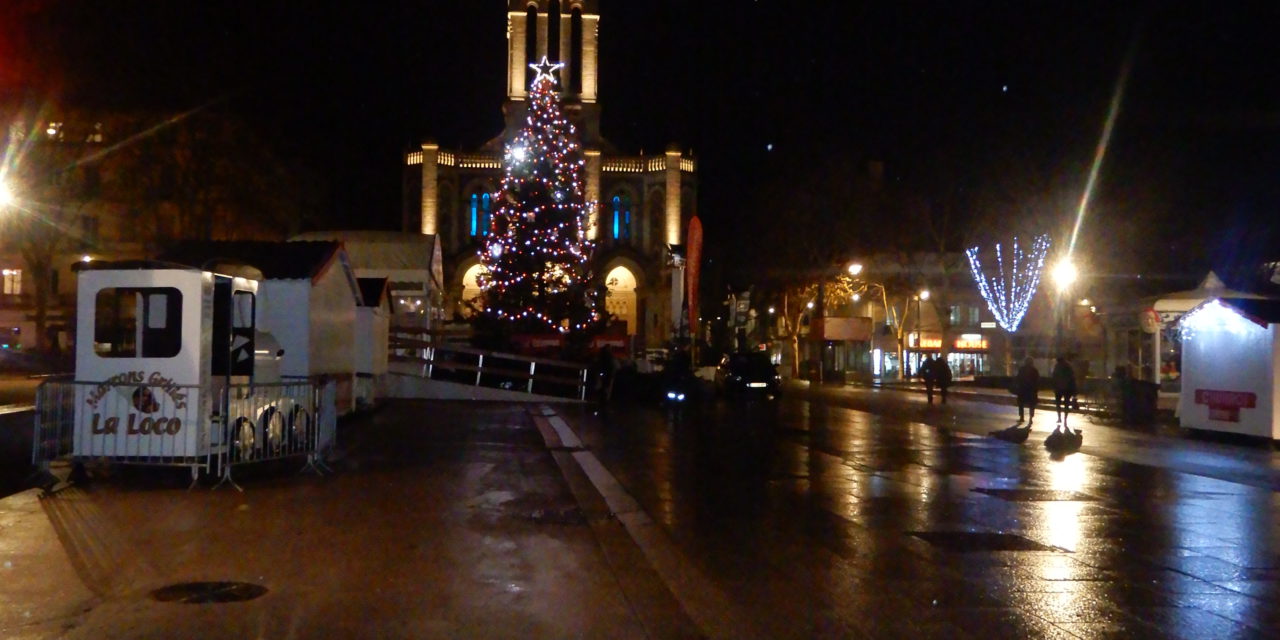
[750, 373]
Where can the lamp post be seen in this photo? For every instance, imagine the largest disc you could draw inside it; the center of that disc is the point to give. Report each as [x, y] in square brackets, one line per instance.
[1064, 274]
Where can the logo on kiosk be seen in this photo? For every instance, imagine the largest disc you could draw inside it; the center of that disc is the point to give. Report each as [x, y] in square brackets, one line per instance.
[142, 401]
[1226, 405]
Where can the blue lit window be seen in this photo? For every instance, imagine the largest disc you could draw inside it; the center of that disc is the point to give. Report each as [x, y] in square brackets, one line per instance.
[481, 214]
[475, 228]
[486, 220]
[621, 218]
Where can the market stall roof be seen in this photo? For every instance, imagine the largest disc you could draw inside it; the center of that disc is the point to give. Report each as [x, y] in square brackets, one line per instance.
[373, 291]
[1260, 310]
[1211, 287]
[276, 260]
[398, 256]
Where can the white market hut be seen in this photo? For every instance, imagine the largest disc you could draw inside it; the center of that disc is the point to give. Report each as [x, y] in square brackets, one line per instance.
[1231, 367]
[373, 324]
[307, 299]
[411, 263]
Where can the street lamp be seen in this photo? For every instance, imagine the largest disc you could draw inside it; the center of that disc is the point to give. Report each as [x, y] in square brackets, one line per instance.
[6, 193]
[855, 268]
[1064, 274]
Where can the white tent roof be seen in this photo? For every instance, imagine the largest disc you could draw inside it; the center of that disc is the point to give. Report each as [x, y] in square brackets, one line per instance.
[1184, 301]
[398, 256]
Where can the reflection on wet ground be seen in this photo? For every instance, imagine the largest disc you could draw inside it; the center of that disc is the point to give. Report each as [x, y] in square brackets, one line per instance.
[833, 521]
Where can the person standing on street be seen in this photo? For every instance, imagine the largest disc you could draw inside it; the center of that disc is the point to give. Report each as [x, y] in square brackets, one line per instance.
[606, 370]
[942, 374]
[1026, 386]
[928, 374]
[1064, 389]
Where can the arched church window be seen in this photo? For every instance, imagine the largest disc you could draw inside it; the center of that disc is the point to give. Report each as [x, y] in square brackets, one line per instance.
[575, 51]
[481, 214]
[622, 218]
[553, 31]
[530, 41]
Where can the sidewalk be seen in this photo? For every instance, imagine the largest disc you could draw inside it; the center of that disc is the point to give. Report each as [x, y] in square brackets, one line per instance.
[443, 520]
[1165, 405]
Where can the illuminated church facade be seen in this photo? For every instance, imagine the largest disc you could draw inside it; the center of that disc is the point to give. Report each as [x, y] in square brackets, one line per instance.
[642, 203]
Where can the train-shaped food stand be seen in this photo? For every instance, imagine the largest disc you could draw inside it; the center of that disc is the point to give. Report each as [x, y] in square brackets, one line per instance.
[170, 369]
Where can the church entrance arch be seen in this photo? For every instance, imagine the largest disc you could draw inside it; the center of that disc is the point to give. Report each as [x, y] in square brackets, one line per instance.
[620, 300]
[469, 301]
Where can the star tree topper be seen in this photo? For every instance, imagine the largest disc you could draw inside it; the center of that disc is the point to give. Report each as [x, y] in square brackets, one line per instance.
[546, 68]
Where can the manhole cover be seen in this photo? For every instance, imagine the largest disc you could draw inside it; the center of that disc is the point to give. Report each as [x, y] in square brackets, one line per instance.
[1035, 495]
[208, 592]
[971, 541]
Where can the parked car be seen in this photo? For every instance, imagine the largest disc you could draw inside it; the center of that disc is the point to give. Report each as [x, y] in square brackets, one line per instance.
[748, 374]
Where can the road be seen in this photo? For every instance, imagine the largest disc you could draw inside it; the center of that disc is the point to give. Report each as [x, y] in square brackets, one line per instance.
[837, 512]
[844, 512]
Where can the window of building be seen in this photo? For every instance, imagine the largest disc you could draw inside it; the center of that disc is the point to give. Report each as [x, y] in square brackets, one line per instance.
[530, 41]
[575, 51]
[481, 214]
[117, 332]
[553, 31]
[622, 218]
[12, 282]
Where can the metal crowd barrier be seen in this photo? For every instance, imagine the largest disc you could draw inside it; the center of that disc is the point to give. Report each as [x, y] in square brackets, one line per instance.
[479, 368]
[165, 424]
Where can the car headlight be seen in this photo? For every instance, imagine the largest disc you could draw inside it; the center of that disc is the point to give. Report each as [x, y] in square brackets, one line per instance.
[680, 397]
[671, 395]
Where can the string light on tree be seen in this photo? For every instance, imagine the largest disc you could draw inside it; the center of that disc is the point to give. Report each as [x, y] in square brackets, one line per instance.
[536, 252]
[1008, 292]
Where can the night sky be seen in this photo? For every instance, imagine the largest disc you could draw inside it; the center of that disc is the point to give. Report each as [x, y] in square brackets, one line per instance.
[977, 95]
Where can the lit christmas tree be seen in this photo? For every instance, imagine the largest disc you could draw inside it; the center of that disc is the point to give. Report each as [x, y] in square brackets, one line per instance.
[536, 251]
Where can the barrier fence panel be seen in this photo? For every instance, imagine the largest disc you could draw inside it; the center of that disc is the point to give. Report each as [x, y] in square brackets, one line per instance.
[271, 421]
[175, 425]
[490, 369]
[137, 423]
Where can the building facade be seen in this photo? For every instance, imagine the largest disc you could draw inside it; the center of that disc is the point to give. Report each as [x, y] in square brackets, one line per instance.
[641, 204]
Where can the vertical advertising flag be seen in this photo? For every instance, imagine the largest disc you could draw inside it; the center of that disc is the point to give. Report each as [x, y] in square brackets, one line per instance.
[692, 271]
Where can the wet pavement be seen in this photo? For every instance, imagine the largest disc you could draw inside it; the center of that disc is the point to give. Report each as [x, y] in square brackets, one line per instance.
[842, 512]
[443, 520]
[835, 512]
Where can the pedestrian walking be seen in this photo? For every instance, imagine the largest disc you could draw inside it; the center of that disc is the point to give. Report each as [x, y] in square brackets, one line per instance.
[929, 375]
[1064, 389]
[606, 370]
[942, 374]
[1026, 386]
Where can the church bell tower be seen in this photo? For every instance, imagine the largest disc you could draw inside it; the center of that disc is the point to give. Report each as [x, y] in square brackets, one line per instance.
[564, 31]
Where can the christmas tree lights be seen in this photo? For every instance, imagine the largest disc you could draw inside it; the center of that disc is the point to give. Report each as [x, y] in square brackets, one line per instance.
[1008, 292]
[536, 253]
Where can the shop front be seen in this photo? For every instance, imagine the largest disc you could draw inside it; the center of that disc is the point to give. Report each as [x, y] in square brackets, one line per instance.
[968, 357]
[921, 345]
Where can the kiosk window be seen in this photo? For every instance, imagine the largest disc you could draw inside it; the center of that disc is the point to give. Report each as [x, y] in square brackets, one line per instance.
[117, 332]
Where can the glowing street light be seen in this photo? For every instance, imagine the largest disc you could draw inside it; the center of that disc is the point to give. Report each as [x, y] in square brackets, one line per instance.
[6, 194]
[924, 295]
[771, 310]
[1065, 274]
[855, 268]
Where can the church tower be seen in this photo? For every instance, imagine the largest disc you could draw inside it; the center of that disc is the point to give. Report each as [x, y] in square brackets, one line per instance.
[641, 203]
[564, 31]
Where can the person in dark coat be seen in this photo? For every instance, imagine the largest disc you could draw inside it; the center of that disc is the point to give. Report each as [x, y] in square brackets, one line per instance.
[1064, 389]
[1026, 386]
[606, 369]
[942, 375]
[928, 373]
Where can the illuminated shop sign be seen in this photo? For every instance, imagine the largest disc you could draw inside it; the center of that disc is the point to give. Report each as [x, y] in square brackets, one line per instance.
[971, 341]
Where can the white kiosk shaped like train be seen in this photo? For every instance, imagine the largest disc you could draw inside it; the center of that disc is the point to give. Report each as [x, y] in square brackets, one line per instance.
[170, 370]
